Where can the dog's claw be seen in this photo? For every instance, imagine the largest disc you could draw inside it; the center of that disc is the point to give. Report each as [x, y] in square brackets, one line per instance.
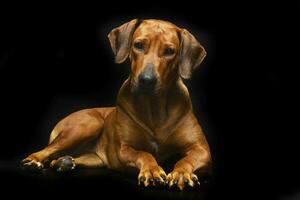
[164, 177]
[141, 180]
[195, 179]
[152, 176]
[32, 164]
[171, 184]
[157, 180]
[181, 178]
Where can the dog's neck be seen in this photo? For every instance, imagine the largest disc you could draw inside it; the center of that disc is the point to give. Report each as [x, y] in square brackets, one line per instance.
[159, 110]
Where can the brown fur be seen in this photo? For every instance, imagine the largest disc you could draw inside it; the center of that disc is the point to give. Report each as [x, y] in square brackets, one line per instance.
[142, 130]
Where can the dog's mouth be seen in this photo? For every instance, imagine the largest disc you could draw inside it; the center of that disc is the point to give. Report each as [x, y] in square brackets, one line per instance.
[138, 88]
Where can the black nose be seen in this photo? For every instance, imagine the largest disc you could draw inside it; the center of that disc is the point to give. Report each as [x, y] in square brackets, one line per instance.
[147, 78]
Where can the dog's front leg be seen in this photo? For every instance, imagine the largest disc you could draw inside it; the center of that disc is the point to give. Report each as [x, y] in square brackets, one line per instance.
[196, 158]
[150, 172]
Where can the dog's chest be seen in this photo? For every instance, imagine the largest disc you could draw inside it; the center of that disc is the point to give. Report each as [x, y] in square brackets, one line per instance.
[154, 146]
[160, 151]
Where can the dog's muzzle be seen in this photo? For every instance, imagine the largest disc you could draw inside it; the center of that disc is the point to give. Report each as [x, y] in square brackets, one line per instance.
[147, 80]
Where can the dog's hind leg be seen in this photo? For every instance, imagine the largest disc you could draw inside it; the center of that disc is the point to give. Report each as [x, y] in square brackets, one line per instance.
[76, 130]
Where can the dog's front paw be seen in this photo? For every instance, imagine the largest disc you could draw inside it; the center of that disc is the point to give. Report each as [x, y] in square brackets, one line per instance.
[182, 178]
[64, 164]
[152, 176]
[32, 163]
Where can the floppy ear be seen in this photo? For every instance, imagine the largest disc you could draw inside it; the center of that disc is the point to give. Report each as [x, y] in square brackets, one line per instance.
[120, 40]
[191, 55]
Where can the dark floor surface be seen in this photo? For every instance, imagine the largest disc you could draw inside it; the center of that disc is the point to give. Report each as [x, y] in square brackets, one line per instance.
[87, 183]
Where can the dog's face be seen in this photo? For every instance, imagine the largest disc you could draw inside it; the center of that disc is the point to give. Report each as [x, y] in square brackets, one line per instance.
[154, 55]
[158, 51]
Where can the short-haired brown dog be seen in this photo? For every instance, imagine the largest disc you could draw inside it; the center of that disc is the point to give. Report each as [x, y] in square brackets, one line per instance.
[153, 118]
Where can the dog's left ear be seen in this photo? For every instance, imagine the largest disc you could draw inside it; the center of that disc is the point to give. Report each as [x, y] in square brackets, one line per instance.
[120, 40]
[191, 55]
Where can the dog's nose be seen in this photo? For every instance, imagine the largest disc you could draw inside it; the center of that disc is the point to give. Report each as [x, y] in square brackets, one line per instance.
[147, 77]
[147, 80]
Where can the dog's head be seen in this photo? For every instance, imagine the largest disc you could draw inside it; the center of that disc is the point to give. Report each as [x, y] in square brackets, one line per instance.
[158, 50]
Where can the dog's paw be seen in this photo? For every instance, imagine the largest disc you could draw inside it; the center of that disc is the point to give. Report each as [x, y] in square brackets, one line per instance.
[31, 163]
[152, 176]
[64, 164]
[182, 178]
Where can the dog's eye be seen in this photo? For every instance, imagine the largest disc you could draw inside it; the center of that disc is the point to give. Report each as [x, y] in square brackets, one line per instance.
[139, 46]
[169, 51]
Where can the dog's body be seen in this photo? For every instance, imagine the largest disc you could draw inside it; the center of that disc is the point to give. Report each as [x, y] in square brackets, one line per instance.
[153, 118]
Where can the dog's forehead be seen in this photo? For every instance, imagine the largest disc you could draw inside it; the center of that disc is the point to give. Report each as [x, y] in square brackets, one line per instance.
[153, 28]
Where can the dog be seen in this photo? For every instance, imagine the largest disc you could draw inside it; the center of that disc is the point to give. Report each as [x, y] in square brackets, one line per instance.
[153, 118]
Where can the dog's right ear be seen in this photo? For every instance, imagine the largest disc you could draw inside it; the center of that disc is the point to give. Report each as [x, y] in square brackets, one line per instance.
[120, 40]
[191, 55]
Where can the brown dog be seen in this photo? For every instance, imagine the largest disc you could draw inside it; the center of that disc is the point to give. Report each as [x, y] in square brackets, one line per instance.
[153, 118]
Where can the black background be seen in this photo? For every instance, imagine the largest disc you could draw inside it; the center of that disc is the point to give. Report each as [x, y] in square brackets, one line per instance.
[244, 97]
